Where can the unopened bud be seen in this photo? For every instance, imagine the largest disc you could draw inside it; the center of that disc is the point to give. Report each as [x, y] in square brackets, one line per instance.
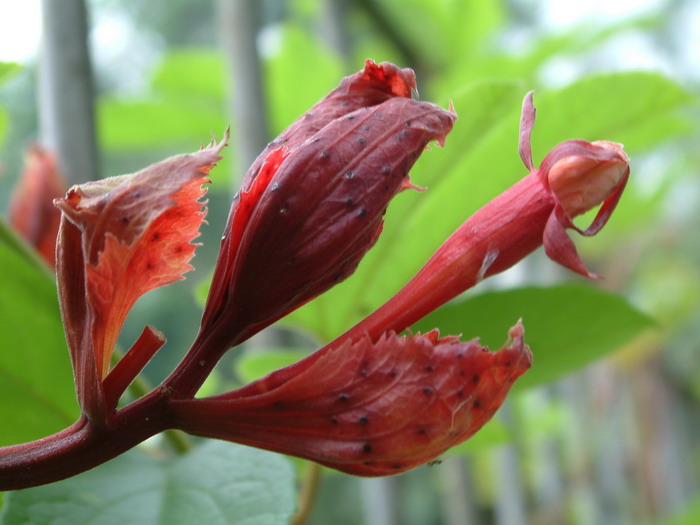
[584, 180]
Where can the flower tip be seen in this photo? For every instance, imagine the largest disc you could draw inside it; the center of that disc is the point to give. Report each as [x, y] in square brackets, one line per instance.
[589, 175]
[397, 81]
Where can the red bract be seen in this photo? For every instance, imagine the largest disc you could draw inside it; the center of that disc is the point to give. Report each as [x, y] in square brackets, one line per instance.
[119, 238]
[31, 211]
[367, 407]
[312, 204]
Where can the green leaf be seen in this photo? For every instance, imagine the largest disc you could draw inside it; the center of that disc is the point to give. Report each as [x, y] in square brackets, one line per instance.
[566, 326]
[254, 365]
[689, 515]
[8, 69]
[492, 434]
[218, 484]
[37, 396]
[599, 107]
[139, 125]
[298, 75]
[192, 73]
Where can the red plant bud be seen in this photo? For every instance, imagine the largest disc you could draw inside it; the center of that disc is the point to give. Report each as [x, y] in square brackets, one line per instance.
[364, 407]
[119, 238]
[312, 204]
[31, 212]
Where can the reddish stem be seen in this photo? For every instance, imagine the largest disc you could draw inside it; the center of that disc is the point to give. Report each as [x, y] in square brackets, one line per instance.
[83, 445]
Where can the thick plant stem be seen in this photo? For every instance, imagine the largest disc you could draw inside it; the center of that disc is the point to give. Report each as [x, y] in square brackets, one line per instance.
[83, 445]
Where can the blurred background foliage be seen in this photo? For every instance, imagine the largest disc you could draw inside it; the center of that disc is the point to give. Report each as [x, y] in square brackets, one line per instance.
[605, 427]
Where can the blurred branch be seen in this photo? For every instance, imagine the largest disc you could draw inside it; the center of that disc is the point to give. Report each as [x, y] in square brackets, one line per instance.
[239, 21]
[335, 30]
[308, 494]
[66, 91]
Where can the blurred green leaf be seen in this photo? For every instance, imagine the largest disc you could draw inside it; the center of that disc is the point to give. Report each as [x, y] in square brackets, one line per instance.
[485, 162]
[158, 122]
[492, 434]
[298, 75]
[690, 515]
[37, 396]
[600, 107]
[218, 483]
[192, 73]
[254, 365]
[566, 326]
[7, 69]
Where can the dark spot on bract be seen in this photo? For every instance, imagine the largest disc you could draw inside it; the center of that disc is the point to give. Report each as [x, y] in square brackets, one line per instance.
[405, 133]
[427, 390]
[367, 448]
[422, 431]
[477, 403]
[361, 140]
[460, 394]
[507, 363]
[363, 372]
[125, 220]
[428, 368]
[350, 117]
[334, 420]
[397, 466]
[325, 154]
[155, 236]
[386, 170]
[365, 127]
[149, 265]
[343, 398]
[362, 213]
[363, 420]
[349, 203]
[350, 175]
[393, 374]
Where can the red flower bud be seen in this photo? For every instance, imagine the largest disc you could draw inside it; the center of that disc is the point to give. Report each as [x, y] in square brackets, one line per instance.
[312, 203]
[32, 213]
